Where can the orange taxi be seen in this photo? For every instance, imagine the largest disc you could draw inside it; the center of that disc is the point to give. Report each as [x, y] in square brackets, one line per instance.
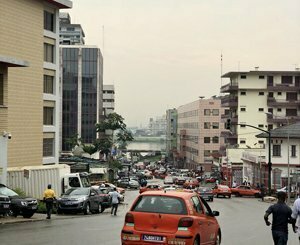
[171, 217]
[222, 190]
[150, 188]
[244, 190]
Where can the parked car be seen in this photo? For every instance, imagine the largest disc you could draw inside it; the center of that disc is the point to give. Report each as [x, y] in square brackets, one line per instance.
[4, 205]
[210, 180]
[119, 189]
[244, 190]
[125, 183]
[25, 206]
[293, 192]
[150, 188]
[180, 180]
[78, 200]
[206, 193]
[222, 190]
[170, 218]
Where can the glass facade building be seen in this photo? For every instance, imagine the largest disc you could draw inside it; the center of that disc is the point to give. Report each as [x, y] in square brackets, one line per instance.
[82, 84]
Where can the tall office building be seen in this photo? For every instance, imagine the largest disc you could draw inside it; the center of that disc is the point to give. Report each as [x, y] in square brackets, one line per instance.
[82, 86]
[29, 81]
[171, 133]
[198, 130]
[70, 34]
[108, 99]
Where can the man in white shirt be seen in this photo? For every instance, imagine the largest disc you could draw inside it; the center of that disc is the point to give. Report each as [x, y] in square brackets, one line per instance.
[296, 217]
[114, 201]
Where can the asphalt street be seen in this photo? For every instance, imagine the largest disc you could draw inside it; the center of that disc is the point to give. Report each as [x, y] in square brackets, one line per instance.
[241, 221]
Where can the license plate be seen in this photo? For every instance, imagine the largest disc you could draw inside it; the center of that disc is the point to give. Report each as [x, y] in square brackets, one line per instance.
[69, 203]
[34, 207]
[151, 238]
[6, 206]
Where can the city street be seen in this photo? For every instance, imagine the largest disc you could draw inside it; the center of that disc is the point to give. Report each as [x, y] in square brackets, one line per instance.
[241, 221]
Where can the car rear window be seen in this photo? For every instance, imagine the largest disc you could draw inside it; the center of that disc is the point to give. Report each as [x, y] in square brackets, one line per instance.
[160, 204]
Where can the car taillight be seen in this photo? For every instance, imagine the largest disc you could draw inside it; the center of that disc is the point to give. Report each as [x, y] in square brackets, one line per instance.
[185, 222]
[129, 218]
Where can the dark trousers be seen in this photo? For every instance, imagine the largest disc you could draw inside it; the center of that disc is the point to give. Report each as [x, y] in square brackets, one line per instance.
[280, 237]
[114, 208]
[49, 207]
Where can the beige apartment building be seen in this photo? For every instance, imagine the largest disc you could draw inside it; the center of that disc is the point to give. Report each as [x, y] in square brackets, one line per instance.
[29, 81]
[198, 129]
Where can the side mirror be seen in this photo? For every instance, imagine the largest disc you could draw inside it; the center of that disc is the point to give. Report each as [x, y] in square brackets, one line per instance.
[215, 213]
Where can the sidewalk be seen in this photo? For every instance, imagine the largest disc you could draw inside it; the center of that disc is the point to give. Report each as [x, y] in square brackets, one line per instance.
[35, 217]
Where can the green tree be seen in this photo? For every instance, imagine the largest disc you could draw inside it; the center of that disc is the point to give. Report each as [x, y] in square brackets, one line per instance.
[90, 149]
[73, 141]
[123, 136]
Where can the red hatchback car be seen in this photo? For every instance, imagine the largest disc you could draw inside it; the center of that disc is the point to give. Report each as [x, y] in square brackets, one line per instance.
[182, 218]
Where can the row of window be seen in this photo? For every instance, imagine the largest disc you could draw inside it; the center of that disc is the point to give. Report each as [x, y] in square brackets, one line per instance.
[188, 125]
[284, 79]
[289, 95]
[277, 151]
[289, 112]
[214, 140]
[192, 113]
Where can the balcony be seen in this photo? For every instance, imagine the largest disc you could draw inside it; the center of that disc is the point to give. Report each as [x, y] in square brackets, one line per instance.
[283, 88]
[229, 88]
[228, 135]
[282, 120]
[282, 103]
[229, 101]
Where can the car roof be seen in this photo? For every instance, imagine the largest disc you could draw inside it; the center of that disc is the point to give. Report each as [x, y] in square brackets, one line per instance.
[181, 194]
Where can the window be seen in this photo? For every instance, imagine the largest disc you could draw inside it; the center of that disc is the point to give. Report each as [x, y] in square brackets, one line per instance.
[276, 150]
[48, 84]
[260, 109]
[242, 125]
[261, 142]
[48, 21]
[293, 151]
[242, 141]
[207, 153]
[243, 109]
[215, 125]
[215, 139]
[207, 125]
[286, 79]
[261, 93]
[261, 77]
[260, 125]
[243, 93]
[291, 96]
[48, 116]
[70, 29]
[215, 112]
[48, 147]
[278, 109]
[206, 140]
[243, 76]
[291, 112]
[48, 52]
[207, 112]
[197, 205]
[279, 93]
[1, 89]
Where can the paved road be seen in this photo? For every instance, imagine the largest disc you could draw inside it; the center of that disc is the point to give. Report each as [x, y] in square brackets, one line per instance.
[241, 220]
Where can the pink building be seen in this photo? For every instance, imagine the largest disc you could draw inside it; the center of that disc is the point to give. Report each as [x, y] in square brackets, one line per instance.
[199, 129]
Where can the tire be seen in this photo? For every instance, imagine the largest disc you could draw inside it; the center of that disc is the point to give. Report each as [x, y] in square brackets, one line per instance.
[212, 199]
[237, 194]
[196, 241]
[87, 209]
[28, 215]
[229, 196]
[257, 195]
[217, 195]
[218, 238]
[100, 208]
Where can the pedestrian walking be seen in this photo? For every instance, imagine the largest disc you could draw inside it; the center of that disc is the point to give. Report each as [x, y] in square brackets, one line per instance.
[115, 196]
[296, 217]
[234, 184]
[281, 217]
[49, 198]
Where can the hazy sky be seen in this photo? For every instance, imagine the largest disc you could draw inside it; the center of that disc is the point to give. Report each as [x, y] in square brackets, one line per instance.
[161, 54]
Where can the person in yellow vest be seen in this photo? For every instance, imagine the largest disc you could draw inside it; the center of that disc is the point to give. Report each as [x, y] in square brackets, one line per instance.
[49, 197]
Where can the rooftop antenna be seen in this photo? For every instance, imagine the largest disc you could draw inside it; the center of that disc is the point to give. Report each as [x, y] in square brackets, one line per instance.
[221, 71]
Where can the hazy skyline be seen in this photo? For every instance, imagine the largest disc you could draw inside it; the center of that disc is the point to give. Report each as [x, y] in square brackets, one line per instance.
[161, 54]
